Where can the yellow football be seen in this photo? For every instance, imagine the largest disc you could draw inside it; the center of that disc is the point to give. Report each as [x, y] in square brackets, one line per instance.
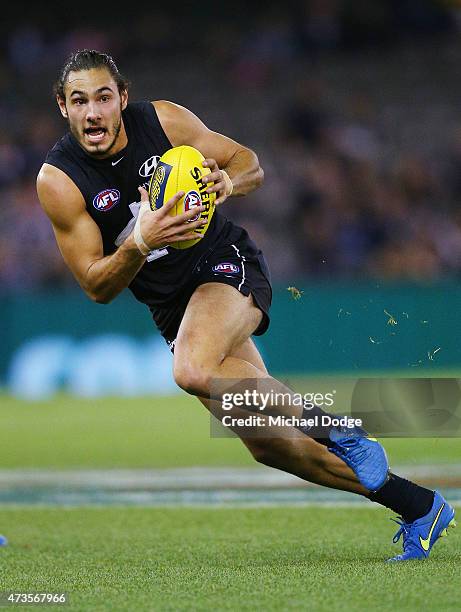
[180, 169]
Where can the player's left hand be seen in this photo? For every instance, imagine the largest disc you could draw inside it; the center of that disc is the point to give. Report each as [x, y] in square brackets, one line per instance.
[216, 176]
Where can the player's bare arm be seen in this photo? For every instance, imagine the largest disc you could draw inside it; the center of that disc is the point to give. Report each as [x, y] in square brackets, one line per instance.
[79, 238]
[222, 153]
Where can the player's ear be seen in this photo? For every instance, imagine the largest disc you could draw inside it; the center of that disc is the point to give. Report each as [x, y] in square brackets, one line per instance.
[62, 106]
[124, 98]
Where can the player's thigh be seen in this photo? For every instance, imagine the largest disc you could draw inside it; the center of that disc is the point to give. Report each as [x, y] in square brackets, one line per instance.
[217, 320]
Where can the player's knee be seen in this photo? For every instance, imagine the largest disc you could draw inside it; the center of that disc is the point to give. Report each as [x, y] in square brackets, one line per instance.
[192, 379]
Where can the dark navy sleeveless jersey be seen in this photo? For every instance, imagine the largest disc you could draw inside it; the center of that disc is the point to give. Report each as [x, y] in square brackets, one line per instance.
[110, 189]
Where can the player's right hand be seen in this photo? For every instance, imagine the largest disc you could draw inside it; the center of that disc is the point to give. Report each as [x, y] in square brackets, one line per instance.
[159, 228]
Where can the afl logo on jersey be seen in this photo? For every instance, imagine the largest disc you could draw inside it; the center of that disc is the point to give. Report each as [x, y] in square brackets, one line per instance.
[191, 200]
[148, 167]
[106, 200]
[226, 268]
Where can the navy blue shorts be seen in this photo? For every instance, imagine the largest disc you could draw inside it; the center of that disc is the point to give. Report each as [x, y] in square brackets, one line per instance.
[238, 263]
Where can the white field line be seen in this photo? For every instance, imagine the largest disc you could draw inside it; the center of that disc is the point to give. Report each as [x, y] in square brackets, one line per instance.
[194, 478]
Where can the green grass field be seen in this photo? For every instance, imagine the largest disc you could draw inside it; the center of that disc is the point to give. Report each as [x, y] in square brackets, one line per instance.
[173, 431]
[199, 558]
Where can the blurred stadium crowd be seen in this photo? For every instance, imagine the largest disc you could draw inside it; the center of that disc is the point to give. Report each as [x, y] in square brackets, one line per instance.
[353, 107]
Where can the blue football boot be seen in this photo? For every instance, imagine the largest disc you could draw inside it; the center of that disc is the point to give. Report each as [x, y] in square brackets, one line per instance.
[421, 535]
[364, 455]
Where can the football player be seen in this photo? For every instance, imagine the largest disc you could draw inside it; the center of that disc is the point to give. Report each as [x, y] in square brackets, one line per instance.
[208, 300]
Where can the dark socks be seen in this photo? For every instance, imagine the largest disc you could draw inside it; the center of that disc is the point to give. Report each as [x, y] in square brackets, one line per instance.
[408, 500]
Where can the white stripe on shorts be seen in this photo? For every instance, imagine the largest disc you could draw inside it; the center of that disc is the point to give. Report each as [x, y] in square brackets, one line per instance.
[242, 259]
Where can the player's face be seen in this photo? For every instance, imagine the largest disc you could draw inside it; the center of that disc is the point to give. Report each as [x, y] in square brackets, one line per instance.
[93, 105]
